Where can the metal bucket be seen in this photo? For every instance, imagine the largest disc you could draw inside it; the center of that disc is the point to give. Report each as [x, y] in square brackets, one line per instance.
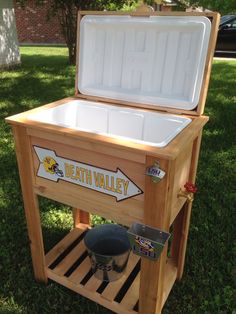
[108, 248]
[147, 241]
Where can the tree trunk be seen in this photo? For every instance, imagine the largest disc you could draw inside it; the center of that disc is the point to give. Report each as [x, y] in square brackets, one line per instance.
[68, 19]
[72, 53]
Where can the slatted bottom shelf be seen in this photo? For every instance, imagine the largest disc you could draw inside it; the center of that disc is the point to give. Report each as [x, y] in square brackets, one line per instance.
[68, 264]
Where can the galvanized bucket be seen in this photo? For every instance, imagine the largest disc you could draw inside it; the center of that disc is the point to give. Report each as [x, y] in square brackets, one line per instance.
[108, 248]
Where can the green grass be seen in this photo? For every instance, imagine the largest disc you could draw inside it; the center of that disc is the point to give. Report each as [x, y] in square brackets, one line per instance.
[208, 281]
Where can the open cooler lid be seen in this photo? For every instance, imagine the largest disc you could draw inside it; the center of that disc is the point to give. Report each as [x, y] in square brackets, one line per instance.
[153, 60]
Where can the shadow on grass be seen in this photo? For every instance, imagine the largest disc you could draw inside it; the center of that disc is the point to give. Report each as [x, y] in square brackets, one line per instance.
[49, 61]
[40, 80]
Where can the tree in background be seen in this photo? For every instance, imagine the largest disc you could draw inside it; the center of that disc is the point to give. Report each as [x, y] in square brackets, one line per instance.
[223, 7]
[66, 11]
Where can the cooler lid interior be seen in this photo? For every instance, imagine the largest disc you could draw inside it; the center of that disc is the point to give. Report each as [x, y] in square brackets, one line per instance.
[154, 60]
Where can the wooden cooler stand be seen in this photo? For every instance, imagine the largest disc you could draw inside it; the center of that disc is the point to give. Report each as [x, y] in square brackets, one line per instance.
[149, 282]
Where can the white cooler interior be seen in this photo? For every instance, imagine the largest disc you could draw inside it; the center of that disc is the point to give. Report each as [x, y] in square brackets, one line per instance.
[156, 60]
[137, 125]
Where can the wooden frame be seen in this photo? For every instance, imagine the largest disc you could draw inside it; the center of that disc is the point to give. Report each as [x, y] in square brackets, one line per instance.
[147, 283]
[160, 207]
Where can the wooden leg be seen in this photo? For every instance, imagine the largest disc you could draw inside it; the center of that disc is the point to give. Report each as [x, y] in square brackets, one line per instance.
[151, 284]
[24, 159]
[180, 238]
[80, 217]
[182, 221]
[176, 236]
[155, 215]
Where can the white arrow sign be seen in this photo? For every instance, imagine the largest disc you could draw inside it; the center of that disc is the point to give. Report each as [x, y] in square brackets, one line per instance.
[114, 183]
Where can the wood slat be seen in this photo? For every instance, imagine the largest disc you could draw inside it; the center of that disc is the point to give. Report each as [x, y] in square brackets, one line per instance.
[113, 288]
[106, 206]
[132, 295]
[70, 259]
[83, 143]
[60, 247]
[170, 277]
[81, 271]
[94, 296]
[93, 284]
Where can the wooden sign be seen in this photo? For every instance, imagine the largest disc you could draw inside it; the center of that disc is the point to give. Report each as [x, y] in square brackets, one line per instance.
[114, 183]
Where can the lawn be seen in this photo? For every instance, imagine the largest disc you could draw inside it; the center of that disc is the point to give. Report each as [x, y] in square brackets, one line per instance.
[208, 282]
